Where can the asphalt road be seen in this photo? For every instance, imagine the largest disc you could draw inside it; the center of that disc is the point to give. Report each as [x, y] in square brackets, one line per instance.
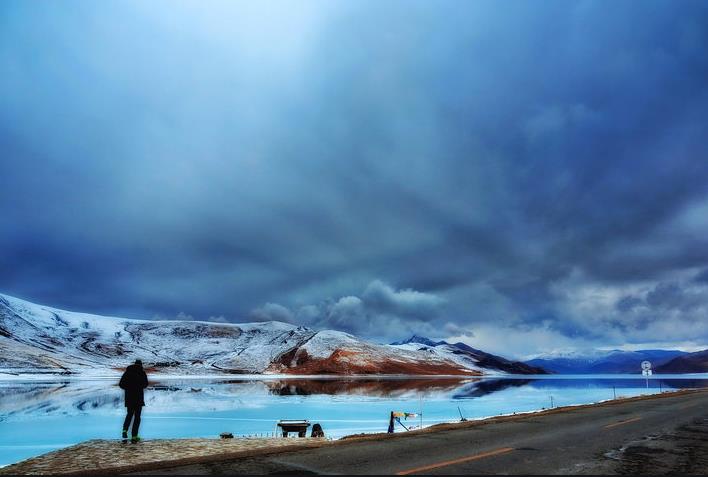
[587, 440]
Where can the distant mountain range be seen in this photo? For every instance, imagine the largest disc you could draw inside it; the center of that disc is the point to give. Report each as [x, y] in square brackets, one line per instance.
[40, 339]
[463, 353]
[608, 362]
[688, 363]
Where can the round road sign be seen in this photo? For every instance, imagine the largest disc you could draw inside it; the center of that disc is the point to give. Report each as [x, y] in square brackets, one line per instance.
[646, 365]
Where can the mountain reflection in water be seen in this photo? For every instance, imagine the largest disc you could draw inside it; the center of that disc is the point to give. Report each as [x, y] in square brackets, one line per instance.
[78, 396]
[367, 387]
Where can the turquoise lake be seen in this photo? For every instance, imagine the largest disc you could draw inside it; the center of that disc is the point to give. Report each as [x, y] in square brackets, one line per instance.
[41, 416]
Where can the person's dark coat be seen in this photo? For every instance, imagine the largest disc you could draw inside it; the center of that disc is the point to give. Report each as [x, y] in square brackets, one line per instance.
[133, 381]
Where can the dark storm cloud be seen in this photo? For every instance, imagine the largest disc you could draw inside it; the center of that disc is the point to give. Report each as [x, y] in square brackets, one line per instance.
[667, 296]
[666, 311]
[232, 158]
[379, 311]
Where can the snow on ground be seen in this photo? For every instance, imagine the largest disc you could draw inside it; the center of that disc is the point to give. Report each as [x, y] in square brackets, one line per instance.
[322, 344]
[51, 338]
[443, 352]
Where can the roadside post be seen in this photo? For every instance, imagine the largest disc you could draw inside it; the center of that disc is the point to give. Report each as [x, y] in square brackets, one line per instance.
[646, 371]
[396, 416]
[420, 410]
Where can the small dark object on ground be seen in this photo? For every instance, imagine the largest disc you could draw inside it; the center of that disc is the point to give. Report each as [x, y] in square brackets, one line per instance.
[226, 435]
[317, 430]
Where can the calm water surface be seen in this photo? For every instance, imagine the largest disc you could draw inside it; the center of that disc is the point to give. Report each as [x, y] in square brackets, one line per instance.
[37, 417]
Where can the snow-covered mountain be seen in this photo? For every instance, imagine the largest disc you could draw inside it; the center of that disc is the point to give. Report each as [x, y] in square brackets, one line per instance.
[465, 355]
[601, 361]
[40, 339]
[419, 340]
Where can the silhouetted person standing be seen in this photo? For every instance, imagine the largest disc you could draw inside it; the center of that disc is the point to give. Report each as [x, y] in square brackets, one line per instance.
[133, 381]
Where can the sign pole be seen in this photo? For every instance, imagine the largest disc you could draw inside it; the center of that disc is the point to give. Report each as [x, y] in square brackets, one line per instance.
[646, 371]
[421, 409]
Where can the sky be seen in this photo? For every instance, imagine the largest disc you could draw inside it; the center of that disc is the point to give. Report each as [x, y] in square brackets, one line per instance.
[527, 178]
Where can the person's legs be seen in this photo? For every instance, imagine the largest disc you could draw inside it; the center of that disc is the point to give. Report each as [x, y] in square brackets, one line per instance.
[126, 423]
[136, 421]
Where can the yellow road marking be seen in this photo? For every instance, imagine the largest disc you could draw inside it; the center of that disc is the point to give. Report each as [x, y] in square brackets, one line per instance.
[503, 450]
[610, 426]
